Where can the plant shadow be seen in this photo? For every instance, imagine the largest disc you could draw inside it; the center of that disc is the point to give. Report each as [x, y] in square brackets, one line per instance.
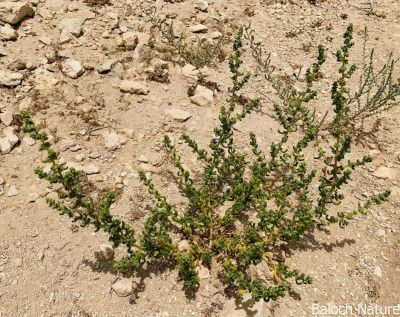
[139, 276]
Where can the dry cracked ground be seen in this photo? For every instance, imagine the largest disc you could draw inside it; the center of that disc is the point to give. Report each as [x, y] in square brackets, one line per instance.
[99, 78]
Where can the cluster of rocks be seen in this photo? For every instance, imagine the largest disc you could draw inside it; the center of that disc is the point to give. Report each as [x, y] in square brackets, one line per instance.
[11, 14]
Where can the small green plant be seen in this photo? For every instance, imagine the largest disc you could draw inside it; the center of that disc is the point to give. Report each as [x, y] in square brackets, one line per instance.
[242, 210]
[199, 55]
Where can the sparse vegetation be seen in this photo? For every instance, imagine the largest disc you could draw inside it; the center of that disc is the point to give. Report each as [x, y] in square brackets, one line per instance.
[369, 7]
[243, 209]
[376, 93]
[203, 53]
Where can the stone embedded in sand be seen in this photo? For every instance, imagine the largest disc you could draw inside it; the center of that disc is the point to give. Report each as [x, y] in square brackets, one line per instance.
[66, 37]
[3, 51]
[72, 68]
[72, 26]
[7, 33]
[384, 172]
[14, 12]
[143, 159]
[130, 40]
[134, 87]
[12, 191]
[378, 271]
[113, 140]
[198, 28]
[190, 72]
[202, 5]
[106, 66]
[91, 169]
[79, 157]
[179, 115]
[44, 78]
[6, 118]
[202, 96]
[203, 272]
[123, 287]
[10, 79]
[216, 35]
[32, 197]
[5, 146]
[9, 140]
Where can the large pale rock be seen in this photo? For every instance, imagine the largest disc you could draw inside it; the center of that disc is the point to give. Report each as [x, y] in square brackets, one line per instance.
[123, 287]
[143, 159]
[113, 141]
[44, 78]
[3, 51]
[202, 5]
[130, 40]
[6, 118]
[9, 140]
[190, 72]
[202, 96]
[107, 65]
[216, 35]
[198, 28]
[134, 87]
[66, 37]
[87, 169]
[179, 115]
[84, 15]
[10, 79]
[5, 146]
[384, 172]
[72, 26]
[91, 169]
[14, 12]
[12, 191]
[72, 68]
[204, 273]
[7, 33]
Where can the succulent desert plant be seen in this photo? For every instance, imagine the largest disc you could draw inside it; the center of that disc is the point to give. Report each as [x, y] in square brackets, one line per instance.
[240, 211]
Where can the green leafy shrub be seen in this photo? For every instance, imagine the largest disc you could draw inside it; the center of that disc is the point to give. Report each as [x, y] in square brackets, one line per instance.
[241, 211]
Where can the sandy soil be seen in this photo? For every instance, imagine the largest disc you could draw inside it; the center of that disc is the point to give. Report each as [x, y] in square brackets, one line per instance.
[48, 265]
